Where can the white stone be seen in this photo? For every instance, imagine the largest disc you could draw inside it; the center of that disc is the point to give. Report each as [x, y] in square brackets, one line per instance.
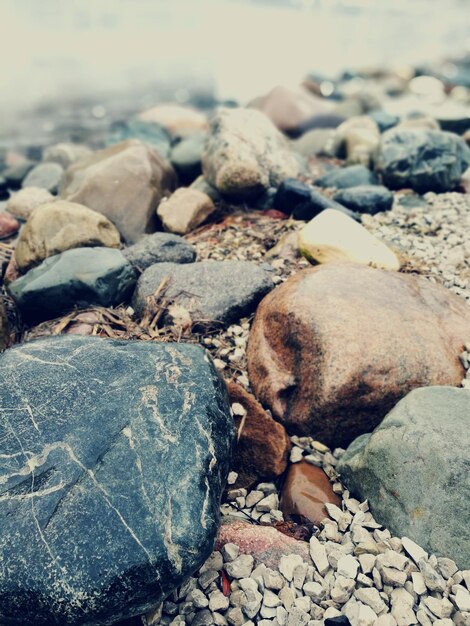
[287, 597]
[287, 565]
[372, 598]
[218, 601]
[365, 616]
[342, 589]
[253, 498]
[230, 551]
[273, 579]
[240, 567]
[462, 600]
[300, 573]
[232, 478]
[269, 503]
[333, 237]
[297, 617]
[419, 586]
[402, 611]
[439, 607]
[315, 591]
[270, 599]
[386, 619]
[318, 554]
[296, 455]
[416, 552]
[348, 566]
[392, 559]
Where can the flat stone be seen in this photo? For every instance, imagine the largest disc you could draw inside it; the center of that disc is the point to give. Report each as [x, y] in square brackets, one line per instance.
[398, 332]
[262, 447]
[416, 552]
[185, 210]
[22, 203]
[369, 199]
[213, 292]
[245, 154]
[423, 160]
[159, 248]
[305, 491]
[124, 182]
[345, 177]
[80, 277]
[116, 485]
[59, 226]
[428, 429]
[332, 237]
[46, 176]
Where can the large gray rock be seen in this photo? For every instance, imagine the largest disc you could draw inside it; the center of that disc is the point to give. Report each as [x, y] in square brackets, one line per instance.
[45, 176]
[213, 292]
[113, 458]
[414, 470]
[159, 248]
[79, 277]
[245, 154]
[423, 160]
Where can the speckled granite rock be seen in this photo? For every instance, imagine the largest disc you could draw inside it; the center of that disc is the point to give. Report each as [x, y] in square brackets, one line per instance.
[112, 466]
[413, 470]
[78, 277]
[214, 292]
[159, 248]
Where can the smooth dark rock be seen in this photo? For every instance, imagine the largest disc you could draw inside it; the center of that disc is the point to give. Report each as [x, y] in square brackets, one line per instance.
[159, 248]
[318, 203]
[266, 201]
[214, 292]
[114, 455]
[341, 620]
[350, 176]
[384, 120]
[4, 193]
[423, 160]
[290, 193]
[186, 156]
[79, 277]
[366, 198]
[322, 120]
[149, 132]
[46, 176]
[15, 174]
[413, 470]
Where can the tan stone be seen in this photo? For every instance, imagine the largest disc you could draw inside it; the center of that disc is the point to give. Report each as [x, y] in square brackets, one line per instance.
[245, 154]
[333, 237]
[335, 347]
[125, 182]
[23, 202]
[177, 119]
[358, 138]
[262, 448]
[60, 226]
[185, 210]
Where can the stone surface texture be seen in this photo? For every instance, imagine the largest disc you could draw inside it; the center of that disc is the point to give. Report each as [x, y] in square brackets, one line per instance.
[413, 470]
[124, 182]
[159, 248]
[116, 485]
[22, 203]
[398, 332]
[185, 210]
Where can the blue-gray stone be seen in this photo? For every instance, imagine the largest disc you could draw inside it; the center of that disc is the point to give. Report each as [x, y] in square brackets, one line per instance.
[186, 156]
[421, 159]
[113, 458]
[213, 292]
[159, 248]
[46, 176]
[75, 278]
[344, 177]
[384, 120]
[149, 132]
[414, 471]
[366, 198]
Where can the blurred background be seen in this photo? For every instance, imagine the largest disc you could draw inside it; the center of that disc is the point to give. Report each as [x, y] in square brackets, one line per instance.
[122, 55]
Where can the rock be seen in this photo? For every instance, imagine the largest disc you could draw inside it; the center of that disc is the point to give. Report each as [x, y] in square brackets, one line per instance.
[65, 154]
[154, 135]
[345, 177]
[423, 160]
[305, 491]
[15, 174]
[398, 332]
[318, 555]
[245, 154]
[9, 225]
[79, 277]
[288, 564]
[332, 237]
[213, 292]
[290, 194]
[341, 620]
[125, 182]
[59, 226]
[266, 544]
[262, 447]
[369, 199]
[127, 466]
[358, 139]
[289, 109]
[4, 329]
[384, 120]
[186, 156]
[348, 566]
[422, 441]
[240, 567]
[318, 203]
[23, 202]
[176, 119]
[316, 142]
[185, 210]
[46, 176]
[159, 248]
[201, 184]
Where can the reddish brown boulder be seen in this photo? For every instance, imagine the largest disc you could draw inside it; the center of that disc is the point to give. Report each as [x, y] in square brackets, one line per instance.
[305, 491]
[263, 445]
[125, 182]
[9, 225]
[335, 347]
[265, 544]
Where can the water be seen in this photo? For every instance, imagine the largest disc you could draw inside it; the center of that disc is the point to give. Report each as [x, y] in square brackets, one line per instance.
[51, 49]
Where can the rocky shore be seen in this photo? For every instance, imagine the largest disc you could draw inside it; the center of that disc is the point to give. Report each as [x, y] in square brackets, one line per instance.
[236, 362]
